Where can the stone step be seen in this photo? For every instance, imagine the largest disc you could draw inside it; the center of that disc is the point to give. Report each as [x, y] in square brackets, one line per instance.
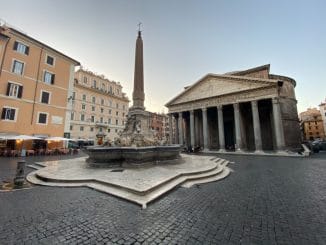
[34, 166]
[143, 197]
[224, 173]
[200, 177]
[218, 161]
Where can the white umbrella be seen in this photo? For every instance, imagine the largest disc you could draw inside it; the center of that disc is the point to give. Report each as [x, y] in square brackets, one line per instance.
[56, 139]
[21, 137]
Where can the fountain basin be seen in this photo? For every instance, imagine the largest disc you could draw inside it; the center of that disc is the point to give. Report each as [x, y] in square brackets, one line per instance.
[112, 156]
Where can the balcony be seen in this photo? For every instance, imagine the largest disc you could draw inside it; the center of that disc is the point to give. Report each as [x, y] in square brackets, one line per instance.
[101, 124]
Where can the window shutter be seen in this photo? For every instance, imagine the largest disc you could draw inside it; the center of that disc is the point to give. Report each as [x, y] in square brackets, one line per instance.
[12, 114]
[27, 50]
[52, 79]
[15, 45]
[3, 114]
[20, 92]
[8, 89]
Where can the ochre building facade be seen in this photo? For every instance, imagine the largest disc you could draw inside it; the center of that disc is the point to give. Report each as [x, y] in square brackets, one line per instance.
[35, 84]
[249, 110]
[312, 125]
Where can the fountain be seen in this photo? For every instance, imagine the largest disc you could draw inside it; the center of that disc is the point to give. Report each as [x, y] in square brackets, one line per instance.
[136, 144]
[136, 167]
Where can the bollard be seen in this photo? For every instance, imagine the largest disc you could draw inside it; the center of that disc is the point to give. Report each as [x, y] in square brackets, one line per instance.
[20, 173]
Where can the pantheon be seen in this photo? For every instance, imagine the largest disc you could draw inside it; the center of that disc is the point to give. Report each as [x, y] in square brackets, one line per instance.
[249, 111]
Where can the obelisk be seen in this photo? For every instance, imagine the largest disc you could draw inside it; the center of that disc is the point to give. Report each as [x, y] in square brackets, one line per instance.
[137, 126]
[138, 95]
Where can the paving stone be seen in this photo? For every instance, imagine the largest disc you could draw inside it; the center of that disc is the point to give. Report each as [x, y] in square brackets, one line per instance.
[265, 200]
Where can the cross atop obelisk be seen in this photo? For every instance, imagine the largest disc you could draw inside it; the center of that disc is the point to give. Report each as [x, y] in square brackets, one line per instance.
[138, 94]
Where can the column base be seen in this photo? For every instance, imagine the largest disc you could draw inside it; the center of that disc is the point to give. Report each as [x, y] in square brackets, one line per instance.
[259, 152]
[282, 152]
[221, 150]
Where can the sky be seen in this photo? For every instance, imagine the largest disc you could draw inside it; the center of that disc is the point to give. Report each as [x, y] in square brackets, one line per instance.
[183, 40]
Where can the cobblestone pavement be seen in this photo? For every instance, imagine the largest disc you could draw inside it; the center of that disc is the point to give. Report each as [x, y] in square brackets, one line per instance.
[266, 200]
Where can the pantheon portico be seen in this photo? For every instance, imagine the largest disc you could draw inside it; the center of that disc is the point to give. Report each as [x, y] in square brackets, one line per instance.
[249, 110]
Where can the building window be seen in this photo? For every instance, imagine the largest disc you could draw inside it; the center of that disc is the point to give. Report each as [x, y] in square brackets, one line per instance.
[49, 60]
[93, 100]
[116, 130]
[92, 119]
[82, 117]
[309, 128]
[72, 115]
[45, 97]
[117, 113]
[110, 90]
[102, 110]
[85, 79]
[109, 121]
[8, 114]
[102, 101]
[42, 118]
[123, 114]
[103, 86]
[73, 95]
[109, 130]
[101, 120]
[92, 129]
[110, 103]
[14, 90]
[117, 106]
[110, 111]
[316, 127]
[18, 67]
[116, 121]
[93, 108]
[21, 48]
[84, 97]
[124, 107]
[94, 84]
[71, 127]
[100, 129]
[83, 106]
[81, 128]
[315, 123]
[48, 77]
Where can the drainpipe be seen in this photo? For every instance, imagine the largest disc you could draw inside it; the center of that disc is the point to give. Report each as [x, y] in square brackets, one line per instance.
[37, 81]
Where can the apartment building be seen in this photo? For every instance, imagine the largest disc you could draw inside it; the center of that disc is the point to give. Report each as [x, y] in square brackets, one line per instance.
[312, 124]
[35, 83]
[159, 125]
[322, 108]
[99, 107]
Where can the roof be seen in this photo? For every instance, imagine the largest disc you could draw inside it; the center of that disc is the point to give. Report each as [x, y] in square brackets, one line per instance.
[239, 78]
[251, 70]
[43, 44]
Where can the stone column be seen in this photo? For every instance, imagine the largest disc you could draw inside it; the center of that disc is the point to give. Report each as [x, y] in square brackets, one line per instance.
[278, 125]
[237, 126]
[192, 129]
[256, 124]
[170, 129]
[205, 128]
[180, 127]
[220, 127]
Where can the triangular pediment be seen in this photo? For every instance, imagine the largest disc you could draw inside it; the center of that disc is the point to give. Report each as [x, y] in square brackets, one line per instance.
[218, 85]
